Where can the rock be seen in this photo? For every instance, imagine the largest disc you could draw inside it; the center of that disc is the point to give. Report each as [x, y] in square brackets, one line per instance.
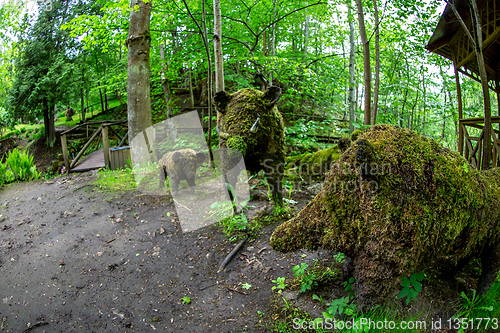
[291, 295]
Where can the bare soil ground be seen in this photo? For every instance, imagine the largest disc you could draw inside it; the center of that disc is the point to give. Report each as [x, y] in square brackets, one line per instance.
[75, 259]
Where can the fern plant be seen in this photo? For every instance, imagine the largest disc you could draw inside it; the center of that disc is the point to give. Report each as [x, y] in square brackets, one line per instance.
[21, 166]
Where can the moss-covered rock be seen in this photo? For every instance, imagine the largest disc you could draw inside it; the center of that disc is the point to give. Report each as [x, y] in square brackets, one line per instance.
[312, 164]
[399, 203]
[249, 121]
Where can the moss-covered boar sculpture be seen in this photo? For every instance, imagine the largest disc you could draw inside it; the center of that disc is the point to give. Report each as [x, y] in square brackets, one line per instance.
[248, 121]
[179, 165]
[399, 203]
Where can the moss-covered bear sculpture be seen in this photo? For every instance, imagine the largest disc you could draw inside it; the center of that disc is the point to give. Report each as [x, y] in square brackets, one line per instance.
[179, 165]
[399, 203]
[249, 121]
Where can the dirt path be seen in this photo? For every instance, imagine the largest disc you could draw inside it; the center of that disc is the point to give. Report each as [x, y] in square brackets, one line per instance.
[74, 259]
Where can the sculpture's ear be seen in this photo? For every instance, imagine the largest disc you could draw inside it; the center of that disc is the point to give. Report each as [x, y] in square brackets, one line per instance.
[176, 157]
[200, 157]
[221, 100]
[272, 95]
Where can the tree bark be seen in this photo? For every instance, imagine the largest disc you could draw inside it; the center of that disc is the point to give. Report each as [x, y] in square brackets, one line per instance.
[352, 63]
[306, 32]
[219, 65]
[366, 62]
[377, 64]
[424, 100]
[82, 94]
[138, 72]
[164, 82]
[273, 41]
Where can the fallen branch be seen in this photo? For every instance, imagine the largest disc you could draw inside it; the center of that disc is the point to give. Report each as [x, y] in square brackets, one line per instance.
[236, 291]
[231, 255]
[210, 285]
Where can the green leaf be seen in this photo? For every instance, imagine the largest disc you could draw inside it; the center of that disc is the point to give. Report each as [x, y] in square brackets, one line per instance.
[420, 276]
[417, 286]
[403, 292]
[405, 283]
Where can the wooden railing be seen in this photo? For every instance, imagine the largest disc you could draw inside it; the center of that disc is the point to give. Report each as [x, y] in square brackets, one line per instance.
[102, 128]
[473, 145]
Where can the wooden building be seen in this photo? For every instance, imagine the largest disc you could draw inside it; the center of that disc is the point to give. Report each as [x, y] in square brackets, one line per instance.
[451, 41]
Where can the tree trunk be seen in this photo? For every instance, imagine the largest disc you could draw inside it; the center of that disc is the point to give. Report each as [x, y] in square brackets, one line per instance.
[352, 63]
[423, 98]
[306, 31]
[164, 82]
[366, 62]
[273, 41]
[209, 84]
[377, 64]
[219, 65]
[82, 94]
[191, 94]
[100, 95]
[138, 73]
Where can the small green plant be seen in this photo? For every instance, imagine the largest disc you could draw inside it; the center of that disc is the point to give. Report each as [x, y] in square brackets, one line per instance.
[246, 286]
[318, 298]
[348, 286]
[18, 165]
[471, 305]
[308, 280]
[411, 287]
[339, 257]
[280, 281]
[186, 300]
[340, 305]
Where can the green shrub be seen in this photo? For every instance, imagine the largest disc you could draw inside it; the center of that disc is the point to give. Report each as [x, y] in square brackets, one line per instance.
[21, 166]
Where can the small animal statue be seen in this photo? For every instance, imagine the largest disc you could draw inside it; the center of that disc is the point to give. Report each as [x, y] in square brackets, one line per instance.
[248, 121]
[70, 112]
[179, 165]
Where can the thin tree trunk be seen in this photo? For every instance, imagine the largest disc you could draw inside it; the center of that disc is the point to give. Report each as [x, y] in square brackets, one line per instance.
[377, 64]
[352, 73]
[423, 98]
[191, 94]
[306, 32]
[209, 84]
[366, 62]
[138, 75]
[100, 96]
[273, 41]
[219, 65]
[444, 120]
[164, 82]
[82, 94]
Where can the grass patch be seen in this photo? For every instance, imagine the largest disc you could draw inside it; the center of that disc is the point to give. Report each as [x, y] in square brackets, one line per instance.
[115, 180]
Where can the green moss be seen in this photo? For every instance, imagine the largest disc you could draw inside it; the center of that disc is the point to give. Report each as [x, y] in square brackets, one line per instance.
[401, 198]
[237, 143]
[355, 134]
[316, 164]
[240, 114]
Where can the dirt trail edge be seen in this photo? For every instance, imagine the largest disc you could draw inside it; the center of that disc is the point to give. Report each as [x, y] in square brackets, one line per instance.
[74, 259]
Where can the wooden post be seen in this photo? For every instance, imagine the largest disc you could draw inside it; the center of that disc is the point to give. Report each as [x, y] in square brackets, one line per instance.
[459, 100]
[64, 146]
[105, 145]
